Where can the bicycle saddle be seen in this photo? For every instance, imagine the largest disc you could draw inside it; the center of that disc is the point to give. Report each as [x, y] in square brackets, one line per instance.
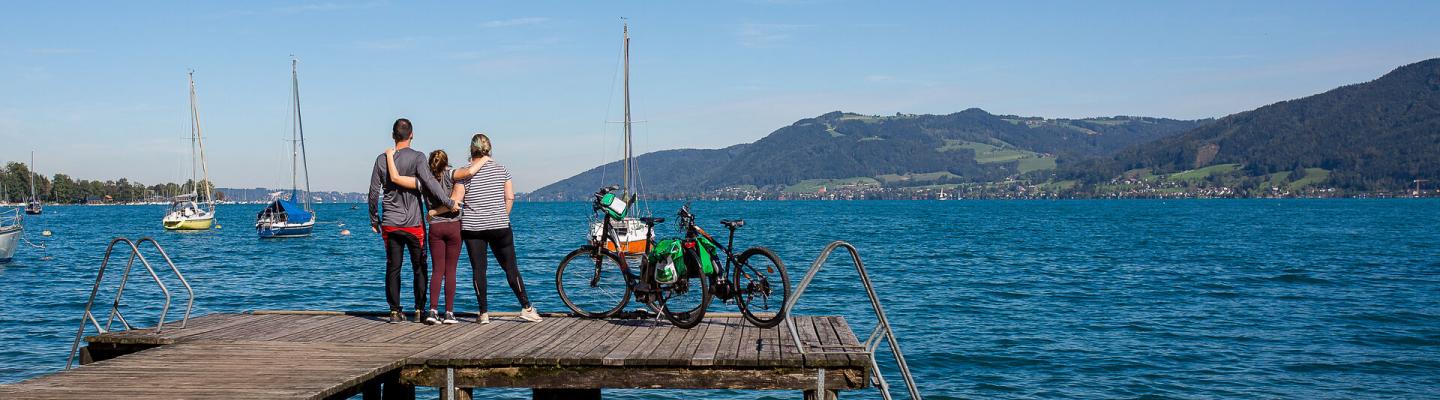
[732, 223]
[651, 221]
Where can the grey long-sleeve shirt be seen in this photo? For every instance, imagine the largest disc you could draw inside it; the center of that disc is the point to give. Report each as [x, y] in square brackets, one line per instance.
[402, 207]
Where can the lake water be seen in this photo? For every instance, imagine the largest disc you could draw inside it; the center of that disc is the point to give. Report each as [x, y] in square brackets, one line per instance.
[1004, 299]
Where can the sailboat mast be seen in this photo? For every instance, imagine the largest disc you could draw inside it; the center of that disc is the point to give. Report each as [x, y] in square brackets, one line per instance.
[299, 132]
[294, 140]
[628, 154]
[194, 185]
[200, 140]
[32, 176]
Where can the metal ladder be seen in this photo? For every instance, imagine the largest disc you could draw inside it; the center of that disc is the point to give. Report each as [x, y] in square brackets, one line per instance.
[114, 314]
[872, 343]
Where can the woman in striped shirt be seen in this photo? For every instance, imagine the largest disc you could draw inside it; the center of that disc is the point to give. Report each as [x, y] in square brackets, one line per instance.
[485, 221]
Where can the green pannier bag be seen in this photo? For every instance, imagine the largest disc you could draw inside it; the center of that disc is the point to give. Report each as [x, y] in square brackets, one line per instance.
[704, 253]
[615, 206]
[669, 261]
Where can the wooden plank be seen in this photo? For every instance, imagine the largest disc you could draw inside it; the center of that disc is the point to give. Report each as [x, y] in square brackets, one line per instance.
[551, 377]
[637, 341]
[846, 337]
[540, 336]
[708, 344]
[587, 333]
[571, 336]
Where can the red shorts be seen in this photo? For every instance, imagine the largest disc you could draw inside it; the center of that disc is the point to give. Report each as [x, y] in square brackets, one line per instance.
[417, 231]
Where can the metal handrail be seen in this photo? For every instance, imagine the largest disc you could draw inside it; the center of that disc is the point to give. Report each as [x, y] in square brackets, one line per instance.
[872, 343]
[115, 314]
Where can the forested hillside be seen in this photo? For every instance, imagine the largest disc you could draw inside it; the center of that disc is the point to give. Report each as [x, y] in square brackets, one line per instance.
[1378, 135]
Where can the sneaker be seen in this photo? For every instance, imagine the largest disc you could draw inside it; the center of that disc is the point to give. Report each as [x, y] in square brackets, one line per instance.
[419, 316]
[529, 314]
[432, 318]
[483, 319]
[449, 319]
[395, 317]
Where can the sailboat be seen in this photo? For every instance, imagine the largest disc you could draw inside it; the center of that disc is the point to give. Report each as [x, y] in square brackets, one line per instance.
[629, 231]
[33, 206]
[185, 211]
[12, 225]
[286, 218]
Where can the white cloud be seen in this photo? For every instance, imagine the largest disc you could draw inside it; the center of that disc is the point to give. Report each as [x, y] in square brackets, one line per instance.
[767, 35]
[506, 23]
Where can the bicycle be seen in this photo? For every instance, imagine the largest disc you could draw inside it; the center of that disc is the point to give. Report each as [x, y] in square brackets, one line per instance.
[601, 285]
[750, 284]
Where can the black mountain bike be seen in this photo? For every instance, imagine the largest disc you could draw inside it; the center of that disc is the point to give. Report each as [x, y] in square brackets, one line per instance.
[596, 282]
[755, 279]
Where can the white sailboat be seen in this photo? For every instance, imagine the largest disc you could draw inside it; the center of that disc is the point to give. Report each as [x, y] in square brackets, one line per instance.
[33, 206]
[294, 217]
[185, 211]
[12, 225]
[629, 231]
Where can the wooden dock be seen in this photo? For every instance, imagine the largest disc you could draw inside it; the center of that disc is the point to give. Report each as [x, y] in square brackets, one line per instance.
[329, 355]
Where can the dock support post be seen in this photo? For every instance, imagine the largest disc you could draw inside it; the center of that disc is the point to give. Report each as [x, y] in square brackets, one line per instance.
[566, 394]
[371, 390]
[829, 395]
[394, 390]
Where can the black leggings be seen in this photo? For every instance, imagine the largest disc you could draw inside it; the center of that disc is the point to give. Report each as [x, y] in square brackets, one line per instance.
[502, 242]
[395, 245]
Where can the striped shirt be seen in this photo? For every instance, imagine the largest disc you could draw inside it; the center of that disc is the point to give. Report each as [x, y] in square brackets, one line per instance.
[485, 199]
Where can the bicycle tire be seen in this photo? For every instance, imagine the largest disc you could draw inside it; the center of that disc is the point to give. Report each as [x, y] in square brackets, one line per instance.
[745, 294]
[593, 303]
[687, 319]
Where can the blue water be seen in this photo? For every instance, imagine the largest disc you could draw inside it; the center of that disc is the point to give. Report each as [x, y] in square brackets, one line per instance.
[1013, 299]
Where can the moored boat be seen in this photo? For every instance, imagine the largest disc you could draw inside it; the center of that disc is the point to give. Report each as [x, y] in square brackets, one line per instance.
[12, 225]
[291, 218]
[629, 231]
[185, 211]
[33, 206]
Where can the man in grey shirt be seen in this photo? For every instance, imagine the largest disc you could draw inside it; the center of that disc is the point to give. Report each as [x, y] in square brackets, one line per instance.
[402, 224]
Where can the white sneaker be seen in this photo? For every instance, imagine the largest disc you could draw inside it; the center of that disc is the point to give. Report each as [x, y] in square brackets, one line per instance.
[449, 319]
[484, 318]
[529, 314]
[432, 318]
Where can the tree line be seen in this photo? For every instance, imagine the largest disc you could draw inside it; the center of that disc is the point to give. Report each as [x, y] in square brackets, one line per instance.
[61, 188]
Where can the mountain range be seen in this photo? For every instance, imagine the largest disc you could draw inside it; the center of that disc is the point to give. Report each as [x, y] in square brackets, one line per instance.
[1377, 135]
[899, 150]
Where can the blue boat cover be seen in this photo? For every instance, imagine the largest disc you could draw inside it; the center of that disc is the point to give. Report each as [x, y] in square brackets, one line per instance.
[294, 212]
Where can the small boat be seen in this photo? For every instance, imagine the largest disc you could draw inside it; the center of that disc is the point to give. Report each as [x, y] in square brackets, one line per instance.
[33, 206]
[12, 225]
[286, 218]
[629, 231]
[185, 211]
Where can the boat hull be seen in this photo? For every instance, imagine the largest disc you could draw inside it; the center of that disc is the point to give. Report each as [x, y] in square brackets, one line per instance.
[9, 242]
[189, 224]
[283, 230]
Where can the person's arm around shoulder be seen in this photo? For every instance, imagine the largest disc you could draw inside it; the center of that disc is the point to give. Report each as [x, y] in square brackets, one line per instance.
[407, 182]
[432, 187]
[470, 170]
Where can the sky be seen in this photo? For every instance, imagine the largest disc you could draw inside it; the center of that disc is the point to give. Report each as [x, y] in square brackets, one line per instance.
[98, 90]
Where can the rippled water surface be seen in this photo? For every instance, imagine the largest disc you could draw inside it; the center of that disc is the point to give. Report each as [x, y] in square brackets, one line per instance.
[1018, 299]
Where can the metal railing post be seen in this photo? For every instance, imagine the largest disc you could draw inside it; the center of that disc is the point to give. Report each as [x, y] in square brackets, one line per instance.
[872, 343]
[115, 313]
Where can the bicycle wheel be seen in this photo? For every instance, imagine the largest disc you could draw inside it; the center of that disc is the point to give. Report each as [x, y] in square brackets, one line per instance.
[592, 286]
[763, 286]
[683, 303]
